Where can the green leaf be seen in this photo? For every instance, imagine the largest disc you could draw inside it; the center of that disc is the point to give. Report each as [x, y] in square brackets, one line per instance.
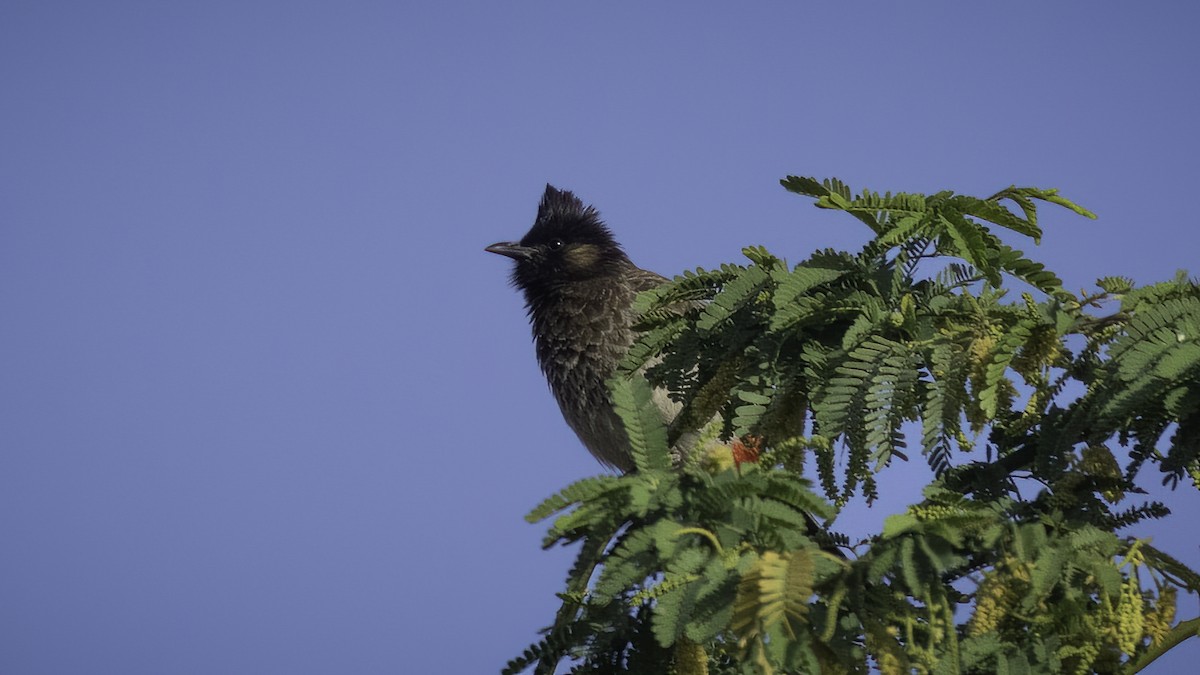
[898, 524]
[633, 399]
[968, 242]
[995, 213]
[739, 291]
[576, 492]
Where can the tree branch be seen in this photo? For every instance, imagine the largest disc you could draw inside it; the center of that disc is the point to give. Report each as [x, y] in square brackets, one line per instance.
[1181, 632]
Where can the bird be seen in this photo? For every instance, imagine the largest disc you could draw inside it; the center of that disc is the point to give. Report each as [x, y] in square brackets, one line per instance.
[579, 286]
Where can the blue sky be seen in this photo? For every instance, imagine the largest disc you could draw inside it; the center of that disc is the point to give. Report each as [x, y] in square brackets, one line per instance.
[266, 405]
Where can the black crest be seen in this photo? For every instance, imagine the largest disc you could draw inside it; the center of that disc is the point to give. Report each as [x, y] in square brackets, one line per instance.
[563, 216]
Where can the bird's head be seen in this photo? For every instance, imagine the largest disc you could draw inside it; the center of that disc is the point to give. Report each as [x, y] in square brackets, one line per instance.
[567, 243]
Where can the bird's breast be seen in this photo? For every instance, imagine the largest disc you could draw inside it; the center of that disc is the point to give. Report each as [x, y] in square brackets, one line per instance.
[580, 341]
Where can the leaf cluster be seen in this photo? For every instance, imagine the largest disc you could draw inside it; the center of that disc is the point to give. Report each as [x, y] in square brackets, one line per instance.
[937, 334]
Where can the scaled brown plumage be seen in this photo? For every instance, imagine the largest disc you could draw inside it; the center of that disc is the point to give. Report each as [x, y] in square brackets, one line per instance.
[579, 288]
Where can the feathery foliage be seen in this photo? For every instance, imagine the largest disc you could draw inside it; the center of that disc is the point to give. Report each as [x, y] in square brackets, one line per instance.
[719, 563]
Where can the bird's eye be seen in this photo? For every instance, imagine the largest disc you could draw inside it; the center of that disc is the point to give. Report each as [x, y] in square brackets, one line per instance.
[555, 244]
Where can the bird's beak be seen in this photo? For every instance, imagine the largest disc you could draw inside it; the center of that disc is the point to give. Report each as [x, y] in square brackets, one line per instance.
[511, 249]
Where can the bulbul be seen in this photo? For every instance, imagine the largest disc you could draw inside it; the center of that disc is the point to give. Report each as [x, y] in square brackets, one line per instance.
[579, 288]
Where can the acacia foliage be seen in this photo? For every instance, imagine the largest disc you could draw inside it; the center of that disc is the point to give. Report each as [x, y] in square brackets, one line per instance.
[1039, 411]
